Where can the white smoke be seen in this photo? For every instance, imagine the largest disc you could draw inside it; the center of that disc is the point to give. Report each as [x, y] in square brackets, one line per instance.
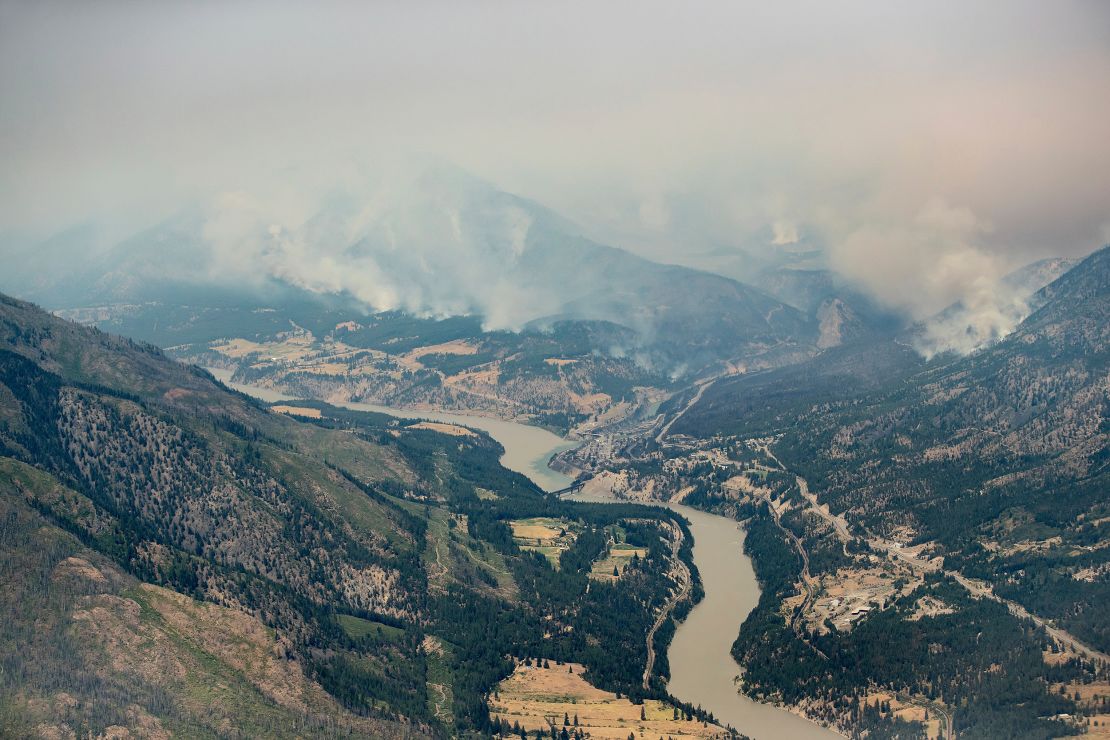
[987, 314]
[430, 242]
[935, 268]
[784, 233]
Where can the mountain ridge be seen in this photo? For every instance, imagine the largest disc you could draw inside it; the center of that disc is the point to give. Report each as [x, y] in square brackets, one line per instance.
[444, 244]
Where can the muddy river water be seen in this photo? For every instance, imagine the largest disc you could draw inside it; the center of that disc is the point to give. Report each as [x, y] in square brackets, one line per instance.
[702, 667]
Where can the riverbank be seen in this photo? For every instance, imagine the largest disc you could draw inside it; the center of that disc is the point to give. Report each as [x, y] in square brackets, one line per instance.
[702, 669]
[528, 449]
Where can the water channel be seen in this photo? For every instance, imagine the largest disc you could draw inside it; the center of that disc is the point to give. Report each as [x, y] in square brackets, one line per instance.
[702, 667]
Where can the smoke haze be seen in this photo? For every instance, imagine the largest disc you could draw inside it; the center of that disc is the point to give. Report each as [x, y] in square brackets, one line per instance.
[927, 149]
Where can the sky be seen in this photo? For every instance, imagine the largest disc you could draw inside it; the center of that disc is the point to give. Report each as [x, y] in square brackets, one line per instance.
[927, 146]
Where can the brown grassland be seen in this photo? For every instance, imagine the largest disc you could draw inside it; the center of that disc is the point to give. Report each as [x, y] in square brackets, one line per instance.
[535, 697]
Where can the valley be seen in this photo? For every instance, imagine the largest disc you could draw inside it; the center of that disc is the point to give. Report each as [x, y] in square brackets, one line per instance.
[702, 670]
[532, 371]
[395, 585]
[853, 573]
[829, 586]
[843, 555]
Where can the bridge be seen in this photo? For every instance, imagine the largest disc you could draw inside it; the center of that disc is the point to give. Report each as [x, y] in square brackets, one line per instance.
[575, 486]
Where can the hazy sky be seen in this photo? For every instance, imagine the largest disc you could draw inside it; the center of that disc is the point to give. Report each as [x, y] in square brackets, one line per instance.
[897, 134]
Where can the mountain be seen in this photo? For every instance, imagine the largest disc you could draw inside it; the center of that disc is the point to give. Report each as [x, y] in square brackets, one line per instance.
[843, 314]
[989, 313]
[873, 365]
[928, 534]
[436, 243]
[1036, 275]
[181, 559]
[431, 287]
[1000, 460]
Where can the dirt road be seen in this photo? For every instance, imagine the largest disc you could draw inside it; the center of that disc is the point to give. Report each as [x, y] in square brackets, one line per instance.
[702, 386]
[683, 577]
[924, 566]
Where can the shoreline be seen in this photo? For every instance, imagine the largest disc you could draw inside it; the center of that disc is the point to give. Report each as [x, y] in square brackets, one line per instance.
[538, 468]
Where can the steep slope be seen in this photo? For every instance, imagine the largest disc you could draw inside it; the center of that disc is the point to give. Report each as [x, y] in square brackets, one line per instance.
[365, 566]
[89, 650]
[191, 487]
[1000, 460]
[843, 314]
[989, 313]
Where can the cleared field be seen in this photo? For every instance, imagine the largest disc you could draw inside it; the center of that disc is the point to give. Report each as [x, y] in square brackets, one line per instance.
[455, 347]
[535, 698]
[291, 349]
[452, 429]
[551, 537]
[619, 557]
[910, 712]
[533, 530]
[1093, 698]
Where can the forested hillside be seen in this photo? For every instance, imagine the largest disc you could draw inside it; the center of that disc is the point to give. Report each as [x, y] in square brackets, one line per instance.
[1002, 458]
[364, 567]
[896, 502]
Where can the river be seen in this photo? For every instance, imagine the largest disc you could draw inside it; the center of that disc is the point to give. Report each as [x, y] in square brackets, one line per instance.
[527, 448]
[702, 667]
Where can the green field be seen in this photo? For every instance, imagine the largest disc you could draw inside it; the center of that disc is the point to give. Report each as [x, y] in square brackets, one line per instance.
[357, 627]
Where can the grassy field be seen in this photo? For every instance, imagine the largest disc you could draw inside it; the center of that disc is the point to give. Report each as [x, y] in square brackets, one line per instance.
[535, 698]
[297, 411]
[618, 558]
[545, 535]
[357, 627]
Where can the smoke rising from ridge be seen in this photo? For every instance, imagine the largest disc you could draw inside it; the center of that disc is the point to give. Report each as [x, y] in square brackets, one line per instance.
[427, 240]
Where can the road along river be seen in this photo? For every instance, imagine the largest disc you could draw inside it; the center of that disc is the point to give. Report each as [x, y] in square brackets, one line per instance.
[702, 668]
[527, 449]
[700, 655]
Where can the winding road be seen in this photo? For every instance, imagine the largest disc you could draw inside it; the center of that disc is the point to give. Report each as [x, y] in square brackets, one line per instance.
[975, 588]
[807, 577]
[683, 576]
[702, 387]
